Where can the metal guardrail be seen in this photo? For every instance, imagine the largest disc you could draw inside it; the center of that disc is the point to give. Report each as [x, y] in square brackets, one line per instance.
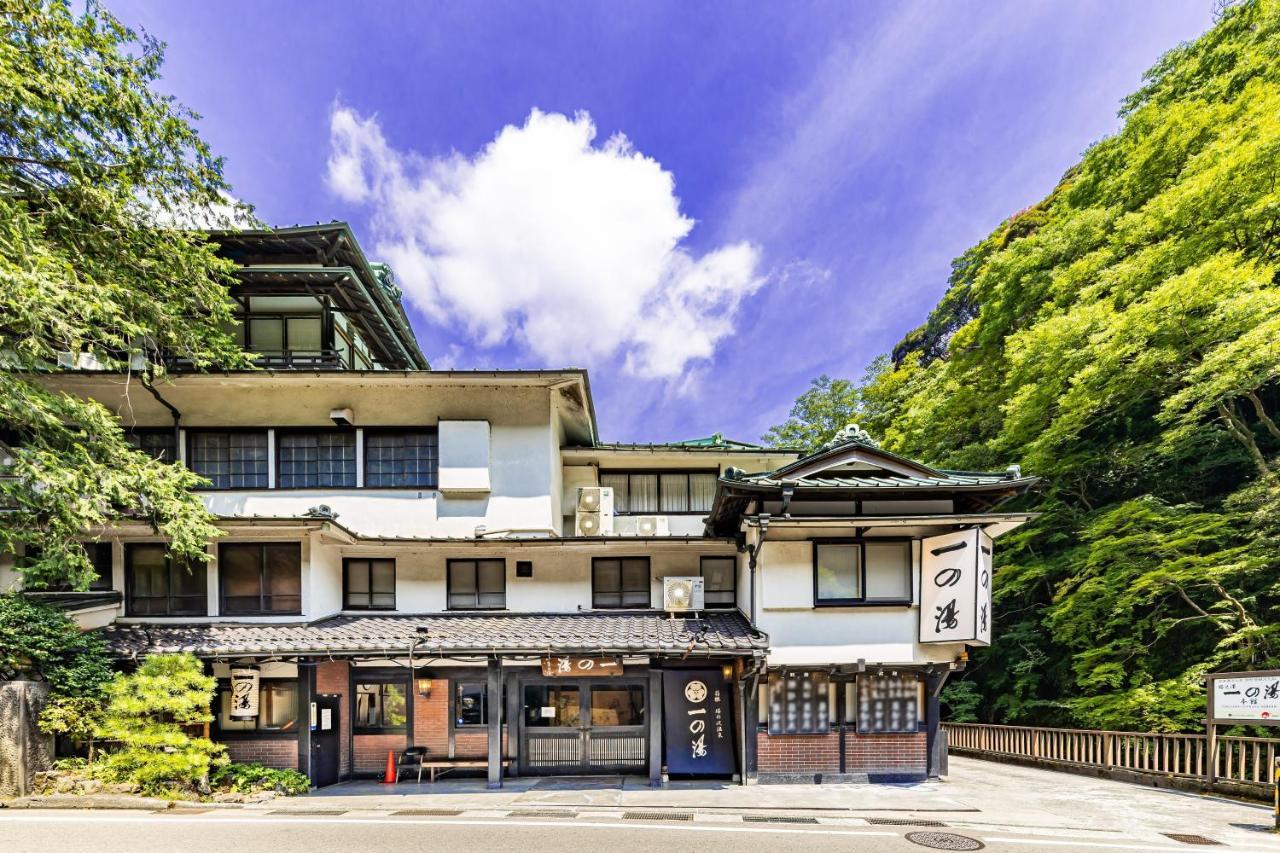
[1246, 760]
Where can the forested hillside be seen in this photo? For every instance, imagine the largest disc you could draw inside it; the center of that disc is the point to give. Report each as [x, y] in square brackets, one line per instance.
[1121, 338]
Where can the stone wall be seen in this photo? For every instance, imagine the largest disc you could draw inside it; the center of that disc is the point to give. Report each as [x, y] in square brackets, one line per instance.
[24, 750]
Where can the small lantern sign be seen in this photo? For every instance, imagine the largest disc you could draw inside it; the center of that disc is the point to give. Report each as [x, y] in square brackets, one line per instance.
[244, 692]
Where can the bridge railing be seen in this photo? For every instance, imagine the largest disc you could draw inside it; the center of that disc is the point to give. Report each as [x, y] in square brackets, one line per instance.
[1245, 760]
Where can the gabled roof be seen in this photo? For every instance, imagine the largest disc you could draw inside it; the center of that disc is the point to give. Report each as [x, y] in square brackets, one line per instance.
[636, 632]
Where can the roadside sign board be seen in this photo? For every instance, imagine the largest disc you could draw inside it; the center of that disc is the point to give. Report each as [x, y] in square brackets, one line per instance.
[1245, 697]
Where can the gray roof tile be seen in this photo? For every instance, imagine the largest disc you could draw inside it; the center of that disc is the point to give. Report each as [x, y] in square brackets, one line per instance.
[607, 633]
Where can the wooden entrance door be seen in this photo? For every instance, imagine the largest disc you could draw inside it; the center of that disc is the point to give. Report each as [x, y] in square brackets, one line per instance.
[582, 726]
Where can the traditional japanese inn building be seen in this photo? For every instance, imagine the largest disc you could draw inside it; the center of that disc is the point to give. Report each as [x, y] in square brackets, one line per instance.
[455, 560]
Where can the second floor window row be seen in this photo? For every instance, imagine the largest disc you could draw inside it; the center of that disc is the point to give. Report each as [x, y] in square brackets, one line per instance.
[305, 458]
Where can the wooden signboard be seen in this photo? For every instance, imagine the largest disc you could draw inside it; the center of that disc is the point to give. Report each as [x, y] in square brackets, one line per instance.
[572, 666]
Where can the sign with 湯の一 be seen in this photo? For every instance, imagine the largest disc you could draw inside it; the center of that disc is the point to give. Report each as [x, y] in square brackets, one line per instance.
[576, 665]
[1246, 697]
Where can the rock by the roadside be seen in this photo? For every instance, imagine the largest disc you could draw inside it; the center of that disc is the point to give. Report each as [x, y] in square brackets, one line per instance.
[228, 797]
[65, 785]
[91, 786]
[123, 788]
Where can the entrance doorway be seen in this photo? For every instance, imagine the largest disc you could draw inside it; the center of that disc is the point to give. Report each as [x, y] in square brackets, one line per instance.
[583, 726]
[326, 742]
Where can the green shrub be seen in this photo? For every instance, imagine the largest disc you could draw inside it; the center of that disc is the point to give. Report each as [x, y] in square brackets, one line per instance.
[252, 778]
[147, 716]
[41, 643]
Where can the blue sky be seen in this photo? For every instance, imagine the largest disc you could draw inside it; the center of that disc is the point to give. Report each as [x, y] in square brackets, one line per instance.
[707, 204]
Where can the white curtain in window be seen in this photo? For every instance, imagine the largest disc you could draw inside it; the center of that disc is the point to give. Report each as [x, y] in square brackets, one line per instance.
[675, 492]
[889, 570]
[702, 488]
[644, 493]
[617, 482]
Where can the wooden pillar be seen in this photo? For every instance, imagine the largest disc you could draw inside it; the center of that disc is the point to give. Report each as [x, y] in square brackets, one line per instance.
[933, 746]
[493, 700]
[306, 695]
[654, 711]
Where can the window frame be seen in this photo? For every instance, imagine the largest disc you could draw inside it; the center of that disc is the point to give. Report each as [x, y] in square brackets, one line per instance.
[189, 457]
[622, 605]
[262, 574]
[433, 476]
[346, 583]
[733, 590]
[244, 314]
[257, 733]
[646, 472]
[281, 433]
[139, 433]
[456, 684]
[382, 677]
[170, 567]
[452, 563]
[863, 600]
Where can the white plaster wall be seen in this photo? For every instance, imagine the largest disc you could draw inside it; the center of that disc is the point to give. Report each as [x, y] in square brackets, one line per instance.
[322, 576]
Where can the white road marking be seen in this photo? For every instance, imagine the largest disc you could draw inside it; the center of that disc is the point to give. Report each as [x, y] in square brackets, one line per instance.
[329, 821]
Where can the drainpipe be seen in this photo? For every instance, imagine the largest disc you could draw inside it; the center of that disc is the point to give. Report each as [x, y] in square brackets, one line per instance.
[752, 550]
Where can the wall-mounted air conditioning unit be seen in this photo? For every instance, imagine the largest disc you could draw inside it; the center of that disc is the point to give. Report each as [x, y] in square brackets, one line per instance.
[681, 594]
[652, 525]
[594, 516]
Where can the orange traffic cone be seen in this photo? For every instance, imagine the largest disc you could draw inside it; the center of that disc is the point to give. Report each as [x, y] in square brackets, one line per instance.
[390, 777]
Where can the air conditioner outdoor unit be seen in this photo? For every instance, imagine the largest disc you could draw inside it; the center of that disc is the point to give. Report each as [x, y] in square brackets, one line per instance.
[652, 525]
[681, 594]
[594, 516]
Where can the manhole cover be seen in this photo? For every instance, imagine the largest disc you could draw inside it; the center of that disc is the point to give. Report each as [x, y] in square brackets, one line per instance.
[1190, 839]
[768, 818]
[902, 821]
[944, 841]
[657, 816]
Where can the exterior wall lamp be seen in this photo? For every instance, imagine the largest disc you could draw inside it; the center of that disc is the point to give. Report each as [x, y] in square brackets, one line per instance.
[424, 687]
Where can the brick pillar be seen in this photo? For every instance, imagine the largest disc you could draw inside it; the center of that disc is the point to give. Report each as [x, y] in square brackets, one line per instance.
[334, 678]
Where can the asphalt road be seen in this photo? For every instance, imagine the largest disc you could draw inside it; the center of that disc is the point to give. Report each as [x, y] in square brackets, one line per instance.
[133, 832]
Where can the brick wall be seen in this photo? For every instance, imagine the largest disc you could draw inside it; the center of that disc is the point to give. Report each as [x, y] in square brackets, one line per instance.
[905, 753]
[431, 726]
[334, 677]
[371, 752]
[798, 753]
[280, 753]
[897, 754]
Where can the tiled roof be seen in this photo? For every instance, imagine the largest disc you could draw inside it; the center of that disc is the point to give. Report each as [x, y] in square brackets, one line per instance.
[945, 480]
[645, 632]
[75, 601]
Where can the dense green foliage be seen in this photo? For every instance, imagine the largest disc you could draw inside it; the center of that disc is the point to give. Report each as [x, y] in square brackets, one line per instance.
[146, 717]
[1122, 339]
[95, 168]
[251, 778]
[40, 643]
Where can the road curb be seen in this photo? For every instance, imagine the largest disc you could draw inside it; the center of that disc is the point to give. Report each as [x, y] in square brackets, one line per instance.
[90, 801]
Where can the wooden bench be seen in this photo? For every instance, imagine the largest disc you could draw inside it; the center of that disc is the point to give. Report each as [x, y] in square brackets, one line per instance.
[435, 766]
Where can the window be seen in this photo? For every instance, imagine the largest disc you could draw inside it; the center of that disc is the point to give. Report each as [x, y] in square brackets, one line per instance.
[401, 459]
[864, 572]
[308, 460]
[469, 704]
[719, 581]
[799, 703]
[620, 582]
[617, 706]
[99, 554]
[550, 706]
[368, 584]
[477, 584]
[837, 573]
[661, 492]
[260, 579]
[889, 703]
[161, 444]
[381, 706]
[160, 585]
[277, 708]
[230, 460]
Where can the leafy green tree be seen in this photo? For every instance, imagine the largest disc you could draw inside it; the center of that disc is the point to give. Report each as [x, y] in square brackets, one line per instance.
[96, 170]
[40, 643]
[818, 414]
[147, 715]
[1122, 339]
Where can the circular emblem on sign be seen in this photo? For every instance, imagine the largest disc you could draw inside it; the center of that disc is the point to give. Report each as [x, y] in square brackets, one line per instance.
[695, 691]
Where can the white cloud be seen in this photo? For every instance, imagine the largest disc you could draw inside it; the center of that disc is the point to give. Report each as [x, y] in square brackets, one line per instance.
[572, 248]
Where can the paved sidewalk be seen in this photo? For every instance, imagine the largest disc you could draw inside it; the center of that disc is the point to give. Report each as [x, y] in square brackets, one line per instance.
[978, 795]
